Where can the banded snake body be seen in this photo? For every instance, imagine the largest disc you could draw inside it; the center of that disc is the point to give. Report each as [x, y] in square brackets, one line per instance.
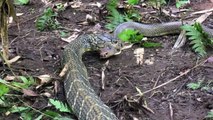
[83, 100]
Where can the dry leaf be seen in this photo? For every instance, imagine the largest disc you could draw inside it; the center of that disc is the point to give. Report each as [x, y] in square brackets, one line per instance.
[210, 59]
[46, 94]
[10, 78]
[14, 59]
[63, 71]
[44, 78]
[71, 38]
[28, 92]
[150, 61]
[76, 4]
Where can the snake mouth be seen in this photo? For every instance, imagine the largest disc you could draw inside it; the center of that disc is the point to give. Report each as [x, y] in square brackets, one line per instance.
[106, 53]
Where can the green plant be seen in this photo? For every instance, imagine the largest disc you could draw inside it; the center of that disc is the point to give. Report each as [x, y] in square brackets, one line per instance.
[60, 7]
[59, 105]
[133, 36]
[194, 86]
[21, 2]
[207, 86]
[130, 35]
[47, 20]
[210, 115]
[26, 111]
[25, 82]
[181, 3]
[4, 89]
[115, 18]
[132, 2]
[199, 39]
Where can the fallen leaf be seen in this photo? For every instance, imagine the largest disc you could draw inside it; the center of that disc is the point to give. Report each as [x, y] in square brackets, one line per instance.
[76, 4]
[14, 59]
[44, 78]
[63, 71]
[71, 38]
[210, 59]
[10, 78]
[28, 92]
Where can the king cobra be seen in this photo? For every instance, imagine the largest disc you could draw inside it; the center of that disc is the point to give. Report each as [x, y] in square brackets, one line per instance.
[80, 96]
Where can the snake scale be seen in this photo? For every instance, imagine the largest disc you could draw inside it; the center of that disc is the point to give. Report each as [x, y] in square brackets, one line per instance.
[80, 96]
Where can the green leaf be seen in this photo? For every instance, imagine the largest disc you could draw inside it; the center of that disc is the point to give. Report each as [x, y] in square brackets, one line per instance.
[130, 35]
[193, 86]
[47, 20]
[21, 2]
[16, 109]
[151, 44]
[62, 107]
[199, 39]
[39, 117]
[210, 115]
[3, 89]
[26, 115]
[63, 34]
[181, 3]
[132, 2]
[52, 113]
[26, 82]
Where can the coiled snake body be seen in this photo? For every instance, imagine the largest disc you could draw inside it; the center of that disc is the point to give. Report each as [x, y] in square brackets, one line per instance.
[80, 96]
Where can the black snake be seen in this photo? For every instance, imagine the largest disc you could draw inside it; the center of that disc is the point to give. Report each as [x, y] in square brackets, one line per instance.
[83, 100]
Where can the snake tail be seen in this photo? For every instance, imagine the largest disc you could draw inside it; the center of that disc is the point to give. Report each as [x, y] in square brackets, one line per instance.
[152, 30]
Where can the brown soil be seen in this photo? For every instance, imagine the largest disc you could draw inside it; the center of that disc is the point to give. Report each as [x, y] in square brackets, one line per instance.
[41, 54]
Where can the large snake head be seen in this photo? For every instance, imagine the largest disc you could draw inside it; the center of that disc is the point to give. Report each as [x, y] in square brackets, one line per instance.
[108, 45]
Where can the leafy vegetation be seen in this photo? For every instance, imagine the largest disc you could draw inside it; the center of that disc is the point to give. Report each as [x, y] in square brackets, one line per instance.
[181, 3]
[21, 2]
[199, 39]
[59, 105]
[115, 18]
[194, 86]
[132, 2]
[130, 35]
[200, 85]
[47, 21]
[210, 115]
[26, 112]
[4, 89]
[133, 36]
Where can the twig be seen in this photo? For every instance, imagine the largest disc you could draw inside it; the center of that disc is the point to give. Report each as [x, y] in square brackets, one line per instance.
[171, 110]
[202, 11]
[156, 82]
[173, 79]
[103, 75]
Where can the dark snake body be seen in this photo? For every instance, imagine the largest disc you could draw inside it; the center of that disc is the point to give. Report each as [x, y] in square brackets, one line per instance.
[79, 93]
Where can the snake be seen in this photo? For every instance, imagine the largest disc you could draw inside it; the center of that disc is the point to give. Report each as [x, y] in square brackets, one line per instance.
[80, 96]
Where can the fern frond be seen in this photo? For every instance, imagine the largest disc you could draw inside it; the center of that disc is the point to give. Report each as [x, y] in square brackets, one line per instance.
[199, 39]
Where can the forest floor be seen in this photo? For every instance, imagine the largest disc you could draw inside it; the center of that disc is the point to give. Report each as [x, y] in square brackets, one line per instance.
[41, 54]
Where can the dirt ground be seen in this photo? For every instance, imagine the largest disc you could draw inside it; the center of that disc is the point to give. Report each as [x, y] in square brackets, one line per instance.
[41, 54]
